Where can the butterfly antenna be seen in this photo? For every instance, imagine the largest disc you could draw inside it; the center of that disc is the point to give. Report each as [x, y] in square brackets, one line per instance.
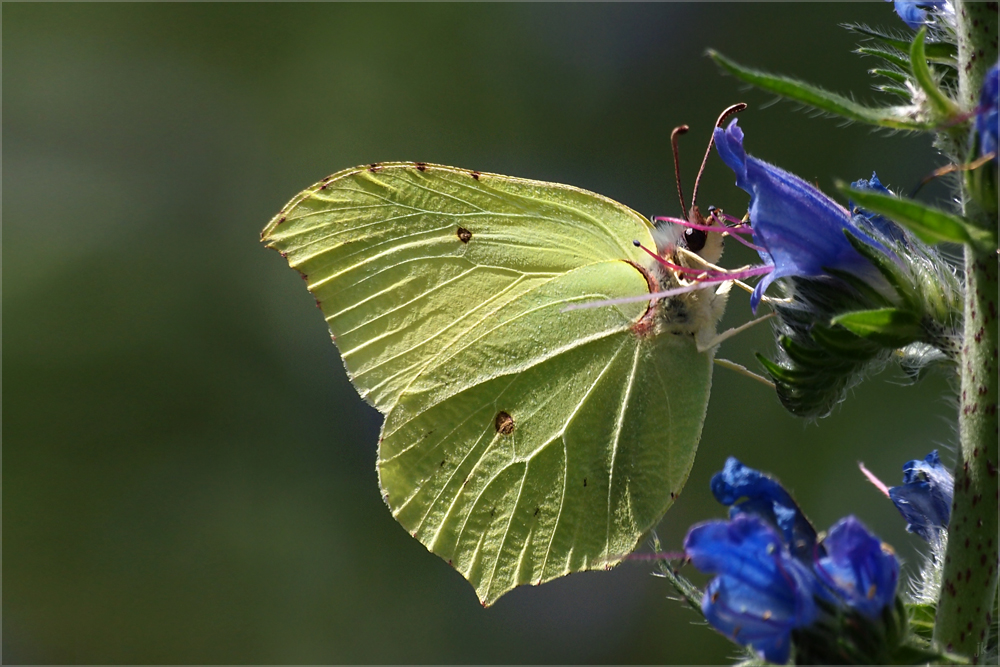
[736, 108]
[678, 131]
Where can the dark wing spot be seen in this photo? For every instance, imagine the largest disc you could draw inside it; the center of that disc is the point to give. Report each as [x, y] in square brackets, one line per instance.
[464, 234]
[504, 423]
[585, 481]
[474, 174]
[537, 510]
[281, 220]
[422, 166]
[442, 463]
[374, 166]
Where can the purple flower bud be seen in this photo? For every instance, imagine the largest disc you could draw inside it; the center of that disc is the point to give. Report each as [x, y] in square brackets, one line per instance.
[762, 592]
[859, 567]
[914, 14]
[986, 115]
[751, 492]
[924, 498]
[800, 229]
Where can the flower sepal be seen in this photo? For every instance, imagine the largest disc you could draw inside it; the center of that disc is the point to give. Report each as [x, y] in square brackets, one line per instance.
[848, 637]
[889, 327]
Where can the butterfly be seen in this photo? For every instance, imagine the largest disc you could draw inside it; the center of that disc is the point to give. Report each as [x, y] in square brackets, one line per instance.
[526, 436]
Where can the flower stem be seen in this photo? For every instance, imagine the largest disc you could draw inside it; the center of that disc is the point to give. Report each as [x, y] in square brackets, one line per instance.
[969, 583]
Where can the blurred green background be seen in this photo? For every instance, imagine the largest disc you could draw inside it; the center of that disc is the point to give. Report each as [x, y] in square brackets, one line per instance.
[188, 474]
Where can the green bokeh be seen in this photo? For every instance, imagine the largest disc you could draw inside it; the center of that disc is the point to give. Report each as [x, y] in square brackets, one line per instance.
[188, 474]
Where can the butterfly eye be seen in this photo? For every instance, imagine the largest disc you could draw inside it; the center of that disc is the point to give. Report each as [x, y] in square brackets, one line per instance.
[694, 239]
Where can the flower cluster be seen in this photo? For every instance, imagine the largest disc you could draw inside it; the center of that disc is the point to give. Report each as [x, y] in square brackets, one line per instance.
[838, 261]
[778, 585]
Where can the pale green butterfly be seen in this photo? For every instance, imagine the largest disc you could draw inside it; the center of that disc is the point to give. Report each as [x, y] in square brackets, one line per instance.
[522, 440]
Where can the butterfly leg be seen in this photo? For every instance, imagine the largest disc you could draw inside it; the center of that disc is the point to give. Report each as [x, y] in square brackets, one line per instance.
[704, 345]
[743, 370]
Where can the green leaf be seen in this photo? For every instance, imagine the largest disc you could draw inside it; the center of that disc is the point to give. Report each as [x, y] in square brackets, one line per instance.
[914, 655]
[941, 52]
[888, 56]
[522, 441]
[892, 75]
[930, 224]
[943, 104]
[890, 327]
[844, 344]
[905, 93]
[921, 617]
[781, 374]
[821, 99]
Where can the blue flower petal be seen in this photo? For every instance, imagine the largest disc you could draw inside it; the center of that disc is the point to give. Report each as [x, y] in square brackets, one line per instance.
[751, 492]
[859, 567]
[735, 610]
[800, 229]
[924, 499]
[987, 117]
[762, 593]
[914, 14]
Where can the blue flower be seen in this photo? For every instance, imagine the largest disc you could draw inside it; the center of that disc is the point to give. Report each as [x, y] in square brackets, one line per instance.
[762, 592]
[859, 567]
[924, 499]
[767, 596]
[799, 229]
[986, 115]
[914, 14]
[750, 491]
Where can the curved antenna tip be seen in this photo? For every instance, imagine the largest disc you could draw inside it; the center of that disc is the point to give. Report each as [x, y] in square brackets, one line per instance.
[736, 108]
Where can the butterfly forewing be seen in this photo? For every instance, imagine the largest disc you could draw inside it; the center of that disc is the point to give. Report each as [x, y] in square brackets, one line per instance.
[521, 442]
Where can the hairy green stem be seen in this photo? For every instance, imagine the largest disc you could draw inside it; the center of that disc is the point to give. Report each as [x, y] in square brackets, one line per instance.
[969, 581]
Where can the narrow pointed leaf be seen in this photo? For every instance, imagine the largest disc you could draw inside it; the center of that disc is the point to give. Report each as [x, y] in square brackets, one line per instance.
[895, 90]
[890, 327]
[941, 52]
[930, 224]
[844, 344]
[888, 56]
[893, 75]
[922, 73]
[824, 100]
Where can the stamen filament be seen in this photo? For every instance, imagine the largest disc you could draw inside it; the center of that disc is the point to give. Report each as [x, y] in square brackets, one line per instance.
[879, 484]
